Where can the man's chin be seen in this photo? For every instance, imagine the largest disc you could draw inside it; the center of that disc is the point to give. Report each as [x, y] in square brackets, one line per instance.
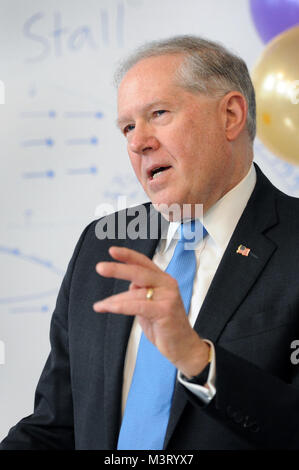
[175, 212]
[171, 212]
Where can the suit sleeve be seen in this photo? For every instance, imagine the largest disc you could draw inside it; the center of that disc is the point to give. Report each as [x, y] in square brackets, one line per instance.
[51, 424]
[256, 405]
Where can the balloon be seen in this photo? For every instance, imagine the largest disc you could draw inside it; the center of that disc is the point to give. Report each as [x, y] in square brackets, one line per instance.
[272, 17]
[276, 83]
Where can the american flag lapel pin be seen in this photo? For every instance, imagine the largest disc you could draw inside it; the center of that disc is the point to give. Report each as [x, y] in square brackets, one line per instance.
[243, 250]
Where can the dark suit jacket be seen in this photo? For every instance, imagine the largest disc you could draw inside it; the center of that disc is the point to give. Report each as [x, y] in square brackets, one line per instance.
[251, 313]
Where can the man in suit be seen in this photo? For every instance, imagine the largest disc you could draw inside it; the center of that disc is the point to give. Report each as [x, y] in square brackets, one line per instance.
[186, 108]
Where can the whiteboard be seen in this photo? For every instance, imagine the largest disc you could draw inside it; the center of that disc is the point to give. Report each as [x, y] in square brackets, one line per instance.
[62, 155]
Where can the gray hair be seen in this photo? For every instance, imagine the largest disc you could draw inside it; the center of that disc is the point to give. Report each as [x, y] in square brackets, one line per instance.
[208, 68]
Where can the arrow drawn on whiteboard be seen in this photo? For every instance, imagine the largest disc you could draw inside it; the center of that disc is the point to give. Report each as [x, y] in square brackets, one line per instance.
[38, 114]
[34, 261]
[84, 114]
[31, 258]
[33, 309]
[48, 142]
[39, 174]
[81, 171]
[28, 297]
[82, 141]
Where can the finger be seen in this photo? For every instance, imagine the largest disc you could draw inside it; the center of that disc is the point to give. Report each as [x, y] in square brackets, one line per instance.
[128, 296]
[126, 255]
[134, 286]
[137, 274]
[131, 307]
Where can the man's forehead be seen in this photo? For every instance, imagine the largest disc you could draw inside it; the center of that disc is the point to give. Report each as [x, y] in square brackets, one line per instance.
[155, 69]
[149, 82]
[159, 62]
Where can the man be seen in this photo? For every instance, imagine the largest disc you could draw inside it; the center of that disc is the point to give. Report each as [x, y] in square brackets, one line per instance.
[186, 108]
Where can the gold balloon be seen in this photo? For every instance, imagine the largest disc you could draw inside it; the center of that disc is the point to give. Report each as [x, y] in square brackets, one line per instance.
[276, 83]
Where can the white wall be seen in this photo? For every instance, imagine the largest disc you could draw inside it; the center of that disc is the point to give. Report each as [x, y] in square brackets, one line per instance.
[61, 154]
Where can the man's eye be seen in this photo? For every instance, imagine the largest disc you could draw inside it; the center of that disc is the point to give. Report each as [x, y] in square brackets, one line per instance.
[128, 128]
[159, 112]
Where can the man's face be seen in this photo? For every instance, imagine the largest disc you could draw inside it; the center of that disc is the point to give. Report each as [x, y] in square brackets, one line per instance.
[176, 139]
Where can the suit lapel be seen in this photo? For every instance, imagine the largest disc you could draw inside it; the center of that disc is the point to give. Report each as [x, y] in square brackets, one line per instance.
[117, 336]
[235, 275]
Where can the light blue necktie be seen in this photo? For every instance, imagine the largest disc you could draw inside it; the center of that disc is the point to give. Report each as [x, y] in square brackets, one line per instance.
[149, 401]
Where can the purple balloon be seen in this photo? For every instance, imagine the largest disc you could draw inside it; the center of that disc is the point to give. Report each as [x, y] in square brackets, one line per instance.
[272, 17]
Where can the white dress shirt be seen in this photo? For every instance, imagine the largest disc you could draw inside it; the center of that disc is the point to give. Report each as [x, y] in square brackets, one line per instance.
[220, 222]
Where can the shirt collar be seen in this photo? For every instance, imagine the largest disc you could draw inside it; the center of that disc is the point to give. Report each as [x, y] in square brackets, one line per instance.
[221, 219]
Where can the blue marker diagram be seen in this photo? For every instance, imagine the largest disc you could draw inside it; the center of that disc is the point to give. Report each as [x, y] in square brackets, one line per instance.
[68, 114]
[83, 171]
[22, 272]
[46, 142]
[39, 174]
[38, 114]
[83, 141]
[84, 115]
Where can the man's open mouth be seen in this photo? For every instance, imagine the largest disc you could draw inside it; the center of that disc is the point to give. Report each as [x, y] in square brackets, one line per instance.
[157, 171]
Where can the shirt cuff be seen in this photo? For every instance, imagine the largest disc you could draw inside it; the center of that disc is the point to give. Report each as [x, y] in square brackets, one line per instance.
[205, 393]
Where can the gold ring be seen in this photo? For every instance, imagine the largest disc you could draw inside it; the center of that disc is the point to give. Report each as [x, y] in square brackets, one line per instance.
[150, 293]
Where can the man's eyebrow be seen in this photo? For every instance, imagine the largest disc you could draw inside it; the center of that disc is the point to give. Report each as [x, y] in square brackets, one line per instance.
[119, 122]
[125, 119]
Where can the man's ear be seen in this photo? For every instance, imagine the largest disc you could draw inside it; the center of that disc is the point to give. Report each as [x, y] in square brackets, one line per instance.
[234, 108]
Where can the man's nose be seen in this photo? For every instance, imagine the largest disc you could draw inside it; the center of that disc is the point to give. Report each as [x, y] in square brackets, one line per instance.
[142, 140]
